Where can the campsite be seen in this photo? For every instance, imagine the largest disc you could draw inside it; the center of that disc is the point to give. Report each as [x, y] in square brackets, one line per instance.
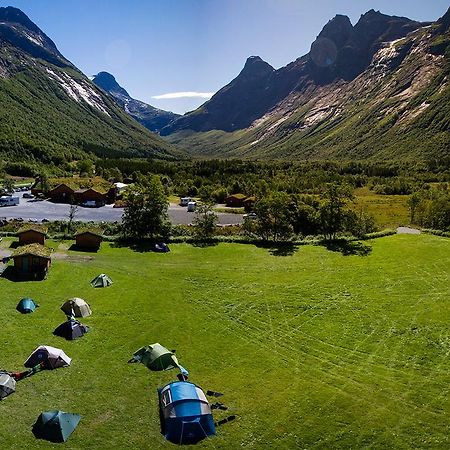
[308, 347]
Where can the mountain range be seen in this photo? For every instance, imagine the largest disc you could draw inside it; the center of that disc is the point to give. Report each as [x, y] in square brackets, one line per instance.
[152, 118]
[51, 112]
[378, 89]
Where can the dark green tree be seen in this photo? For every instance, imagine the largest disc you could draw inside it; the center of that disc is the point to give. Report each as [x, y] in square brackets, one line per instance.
[333, 210]
[205, 221]
[274, 219]
[145, 213]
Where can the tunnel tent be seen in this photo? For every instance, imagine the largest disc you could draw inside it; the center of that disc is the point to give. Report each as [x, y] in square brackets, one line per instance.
[7, 385]
[55, 426]
[76, 307]
[50, 357]
[185, 413]
[156, 357]
[71, 329]
[26, 306]
[101, 280]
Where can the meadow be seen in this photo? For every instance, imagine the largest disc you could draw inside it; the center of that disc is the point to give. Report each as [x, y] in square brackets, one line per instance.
[312, 349]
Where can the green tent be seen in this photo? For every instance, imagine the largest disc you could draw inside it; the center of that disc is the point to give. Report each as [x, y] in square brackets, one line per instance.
[55, 426]
[155, 357]
[101, 280]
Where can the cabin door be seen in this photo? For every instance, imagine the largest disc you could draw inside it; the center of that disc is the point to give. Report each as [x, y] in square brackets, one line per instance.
[25, 264]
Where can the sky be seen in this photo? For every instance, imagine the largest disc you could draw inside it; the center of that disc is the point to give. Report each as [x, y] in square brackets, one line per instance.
[173, 54]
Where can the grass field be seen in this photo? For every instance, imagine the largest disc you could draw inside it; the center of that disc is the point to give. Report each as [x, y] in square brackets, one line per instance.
[312, 350]
[389, 211]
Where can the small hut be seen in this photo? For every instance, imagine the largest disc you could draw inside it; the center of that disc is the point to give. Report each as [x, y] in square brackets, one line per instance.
[31, 235]
[88, 240]
[32, 260]
[235, 200]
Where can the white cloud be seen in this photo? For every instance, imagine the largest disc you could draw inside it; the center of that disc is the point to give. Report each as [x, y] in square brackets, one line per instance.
[172, 95]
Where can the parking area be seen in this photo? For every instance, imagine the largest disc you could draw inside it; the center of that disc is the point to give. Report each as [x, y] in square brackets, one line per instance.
[35, 210]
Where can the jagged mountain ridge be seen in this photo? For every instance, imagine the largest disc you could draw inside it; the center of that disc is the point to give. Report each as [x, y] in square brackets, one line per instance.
[375, 89]
[152, 118]
[51, 112]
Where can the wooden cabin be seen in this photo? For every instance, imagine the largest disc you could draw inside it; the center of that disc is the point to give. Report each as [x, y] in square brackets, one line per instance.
[235, 200]
[61, 193]
[90, 195]
[249, 203]
[31, 236]
[88, 240]
[32, 260]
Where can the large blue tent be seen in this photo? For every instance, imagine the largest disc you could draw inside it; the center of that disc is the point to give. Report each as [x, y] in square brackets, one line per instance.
[185, 413]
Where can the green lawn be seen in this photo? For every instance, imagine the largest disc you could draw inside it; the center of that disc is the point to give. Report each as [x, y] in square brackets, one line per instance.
[312, 350]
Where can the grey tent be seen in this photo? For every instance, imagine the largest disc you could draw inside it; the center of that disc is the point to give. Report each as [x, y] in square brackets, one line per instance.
[155, 357]
[55, 426]
[101, 280]
[7, 385]
[76, 307]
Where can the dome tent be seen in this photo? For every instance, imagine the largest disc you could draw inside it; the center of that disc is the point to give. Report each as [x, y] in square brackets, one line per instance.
[101, 280]
[7, 385]
[185, 413]
[76, 307]
[51, 357]
[26, 306]
[71, 329]
[55, 426]
[155, 357]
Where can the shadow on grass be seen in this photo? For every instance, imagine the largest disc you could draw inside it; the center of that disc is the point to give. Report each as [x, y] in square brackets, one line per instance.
[11, 274]
[204, 243]
[143, 246]
[76, 248]
[279, 249]
[14, 244]
[348, 248]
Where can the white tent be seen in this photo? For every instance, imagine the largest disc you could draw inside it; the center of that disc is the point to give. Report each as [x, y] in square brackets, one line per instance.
[51, 357]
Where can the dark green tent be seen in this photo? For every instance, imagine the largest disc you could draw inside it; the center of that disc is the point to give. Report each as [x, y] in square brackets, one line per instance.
[55, 426]
[26, 306]
[155, 357]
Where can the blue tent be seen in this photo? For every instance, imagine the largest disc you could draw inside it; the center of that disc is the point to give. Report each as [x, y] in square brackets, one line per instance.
[185, 413]
[26, 305]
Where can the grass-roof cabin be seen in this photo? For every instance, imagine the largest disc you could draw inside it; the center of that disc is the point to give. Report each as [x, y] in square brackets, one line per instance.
[31, 235]
[61, 193]
[88, 240]
[235, 200]
[32, 260]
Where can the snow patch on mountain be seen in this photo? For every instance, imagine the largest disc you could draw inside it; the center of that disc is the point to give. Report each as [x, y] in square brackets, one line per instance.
[79, 91]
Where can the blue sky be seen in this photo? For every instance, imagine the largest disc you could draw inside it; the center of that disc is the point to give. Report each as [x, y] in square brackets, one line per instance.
[157, 47]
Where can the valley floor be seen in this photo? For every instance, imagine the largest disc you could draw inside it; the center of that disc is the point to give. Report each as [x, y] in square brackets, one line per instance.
[312, 350]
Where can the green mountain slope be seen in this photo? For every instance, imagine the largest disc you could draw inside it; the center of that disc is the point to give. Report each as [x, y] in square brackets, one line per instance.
[397, 106]
[53, 113]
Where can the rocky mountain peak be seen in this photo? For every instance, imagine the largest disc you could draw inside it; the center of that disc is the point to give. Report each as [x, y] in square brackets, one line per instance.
[338, 29]
[14, 15]
[256, 66]
[444, 21]
[108, 83]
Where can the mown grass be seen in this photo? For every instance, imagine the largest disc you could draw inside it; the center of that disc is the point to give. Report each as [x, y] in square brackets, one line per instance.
[312, 350]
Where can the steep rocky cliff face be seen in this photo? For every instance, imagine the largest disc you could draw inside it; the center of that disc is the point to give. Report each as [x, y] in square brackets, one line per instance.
[376, 89]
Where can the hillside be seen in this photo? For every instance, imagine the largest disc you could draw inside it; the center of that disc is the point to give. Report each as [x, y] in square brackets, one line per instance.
[378, 89]
[152, 118]
[53, 113]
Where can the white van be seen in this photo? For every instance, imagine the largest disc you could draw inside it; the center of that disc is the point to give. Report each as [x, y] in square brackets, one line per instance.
[185, 200]
[191, 206]
[8, 200]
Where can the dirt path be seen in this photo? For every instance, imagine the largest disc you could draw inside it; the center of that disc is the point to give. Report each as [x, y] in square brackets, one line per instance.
[407, 230]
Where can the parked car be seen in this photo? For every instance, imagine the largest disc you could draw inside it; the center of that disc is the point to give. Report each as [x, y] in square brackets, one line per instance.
[28, 195]
[250, 216]
[191, 206]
